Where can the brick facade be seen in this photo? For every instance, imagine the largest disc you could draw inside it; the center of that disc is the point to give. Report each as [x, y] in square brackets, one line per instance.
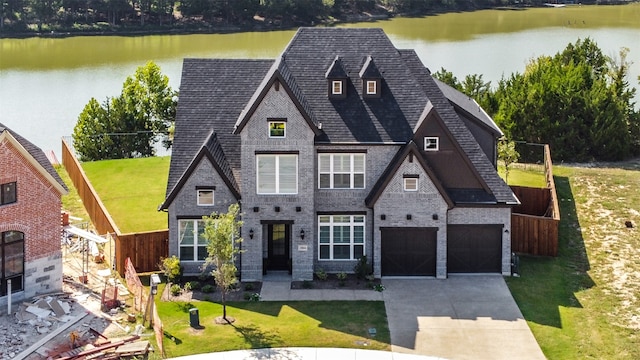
[36, 214]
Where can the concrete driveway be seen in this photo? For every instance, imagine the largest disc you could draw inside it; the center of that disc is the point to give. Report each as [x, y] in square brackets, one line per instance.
[462, 317]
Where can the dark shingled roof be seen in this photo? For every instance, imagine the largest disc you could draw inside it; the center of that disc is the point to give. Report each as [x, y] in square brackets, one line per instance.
[369, 70]
[212, 94]
[469, 105]
[211, 150]
[221, 95]
[36, 153]
[388, 119]
[484, 168]
[336, 71]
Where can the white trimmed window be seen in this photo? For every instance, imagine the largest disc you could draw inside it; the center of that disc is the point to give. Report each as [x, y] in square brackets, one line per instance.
[341, 171]
[340, 237]
[277, 173]
[336, 87]
[192, 244]
[372, 87]
[277, 129]
[410, 184]
[431, 143]
[205, 197]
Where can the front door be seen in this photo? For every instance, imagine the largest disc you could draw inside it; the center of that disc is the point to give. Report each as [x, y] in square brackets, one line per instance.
[279, 246]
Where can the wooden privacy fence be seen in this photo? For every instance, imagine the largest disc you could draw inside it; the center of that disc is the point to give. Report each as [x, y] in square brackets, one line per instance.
[145, 249]
[534, 224]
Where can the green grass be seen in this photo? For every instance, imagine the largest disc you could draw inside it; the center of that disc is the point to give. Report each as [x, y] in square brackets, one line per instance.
[342, 324]
[71, 203]
[524, 175]
[132, 189]
[581, 305]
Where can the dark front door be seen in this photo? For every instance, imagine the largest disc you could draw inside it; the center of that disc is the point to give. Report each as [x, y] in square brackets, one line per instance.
[279, 246]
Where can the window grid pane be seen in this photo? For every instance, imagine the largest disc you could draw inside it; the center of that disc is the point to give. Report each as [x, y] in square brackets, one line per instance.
[341, 171]
[341, 237]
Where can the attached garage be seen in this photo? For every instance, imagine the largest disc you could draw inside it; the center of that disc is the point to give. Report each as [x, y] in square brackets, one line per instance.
[474, 248]
[408, 251]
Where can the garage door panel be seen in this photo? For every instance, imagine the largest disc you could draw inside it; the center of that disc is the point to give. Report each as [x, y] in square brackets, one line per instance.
[408, 251]
[474, 248]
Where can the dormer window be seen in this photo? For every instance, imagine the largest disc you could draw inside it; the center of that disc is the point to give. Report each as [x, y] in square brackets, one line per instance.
[371, 79]
[277, 128]
[337, 87]
[431, 143]
[372, 87]
[336, 80]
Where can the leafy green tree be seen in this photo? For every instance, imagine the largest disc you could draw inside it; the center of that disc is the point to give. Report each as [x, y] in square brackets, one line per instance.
[128, 125]
[577, 101]
[508, 154]
[222, 232]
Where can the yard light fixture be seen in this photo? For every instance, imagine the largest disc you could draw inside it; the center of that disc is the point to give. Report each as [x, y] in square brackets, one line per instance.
[251, 234]
[302, 234]
[155, 281]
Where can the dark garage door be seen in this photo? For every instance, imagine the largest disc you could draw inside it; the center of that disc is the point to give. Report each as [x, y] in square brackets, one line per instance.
[408, 251]
[474, 248]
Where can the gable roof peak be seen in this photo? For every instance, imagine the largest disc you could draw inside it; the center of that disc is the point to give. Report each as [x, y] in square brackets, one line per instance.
[336, 69]
[369, 69]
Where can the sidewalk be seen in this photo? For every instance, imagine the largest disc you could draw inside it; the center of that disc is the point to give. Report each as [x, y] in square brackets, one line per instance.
[305, 354]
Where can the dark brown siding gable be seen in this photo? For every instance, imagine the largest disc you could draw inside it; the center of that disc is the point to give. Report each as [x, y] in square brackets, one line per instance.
[448, 162]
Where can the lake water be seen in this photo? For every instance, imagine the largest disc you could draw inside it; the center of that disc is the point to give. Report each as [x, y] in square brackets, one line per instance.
[45, 83]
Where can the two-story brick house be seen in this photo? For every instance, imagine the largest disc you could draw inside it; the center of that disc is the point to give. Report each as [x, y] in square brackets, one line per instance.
[341, 147]
[30, 224]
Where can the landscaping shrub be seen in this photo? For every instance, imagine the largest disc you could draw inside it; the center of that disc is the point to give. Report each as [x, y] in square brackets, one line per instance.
[342, 276]
[362, 268]
[321, 275]
[208, 289]
[175, 290]
[192, 285]
[171, 268]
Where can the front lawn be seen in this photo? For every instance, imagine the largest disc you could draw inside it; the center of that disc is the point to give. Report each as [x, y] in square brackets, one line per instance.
[132, 189]
[342, 324]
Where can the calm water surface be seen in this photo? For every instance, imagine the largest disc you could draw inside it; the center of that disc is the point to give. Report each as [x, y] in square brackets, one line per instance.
[45, 83]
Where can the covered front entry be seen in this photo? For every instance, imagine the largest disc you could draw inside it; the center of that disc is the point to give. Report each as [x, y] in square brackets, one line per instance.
[278, 246]
[408, 251]
[474, 248]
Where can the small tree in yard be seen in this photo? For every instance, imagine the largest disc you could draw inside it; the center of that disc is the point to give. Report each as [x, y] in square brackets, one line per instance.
[223, 238]
[508, 154]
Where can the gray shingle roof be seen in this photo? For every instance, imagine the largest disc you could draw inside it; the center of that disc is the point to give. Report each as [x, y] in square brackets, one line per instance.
[354, 119]
[36, 153]
[212, 94]
[469, 105]
[221, 95]
[484, 168]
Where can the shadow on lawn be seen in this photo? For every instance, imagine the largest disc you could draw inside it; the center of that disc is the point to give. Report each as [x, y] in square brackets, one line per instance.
[547, 283]
[256, 337]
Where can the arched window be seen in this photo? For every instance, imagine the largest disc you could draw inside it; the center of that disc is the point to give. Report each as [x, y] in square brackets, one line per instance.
[11, 261]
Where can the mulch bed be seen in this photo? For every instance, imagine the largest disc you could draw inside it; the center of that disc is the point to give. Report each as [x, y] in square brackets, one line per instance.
[332, 282]
[239, 294]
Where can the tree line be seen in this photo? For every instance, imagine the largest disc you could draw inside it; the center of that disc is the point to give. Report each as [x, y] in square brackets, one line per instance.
[35, 16]
[578, 101]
